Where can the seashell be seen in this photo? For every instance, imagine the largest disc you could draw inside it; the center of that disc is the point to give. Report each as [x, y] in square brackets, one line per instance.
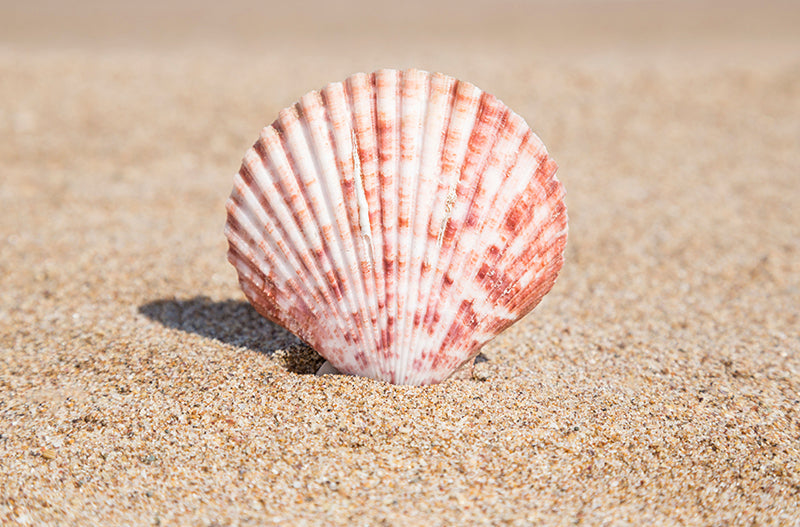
[397, 221]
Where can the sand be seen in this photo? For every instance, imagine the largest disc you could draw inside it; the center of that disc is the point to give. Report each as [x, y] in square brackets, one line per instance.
[658, 383]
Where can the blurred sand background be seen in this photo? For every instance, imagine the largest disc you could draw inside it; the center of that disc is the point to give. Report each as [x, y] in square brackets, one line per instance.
[658, 383]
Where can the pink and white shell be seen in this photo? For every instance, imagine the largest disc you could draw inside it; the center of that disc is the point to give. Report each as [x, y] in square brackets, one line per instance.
[397, 221]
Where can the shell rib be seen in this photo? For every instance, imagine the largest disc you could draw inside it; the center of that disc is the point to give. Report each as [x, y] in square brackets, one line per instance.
[397, 221]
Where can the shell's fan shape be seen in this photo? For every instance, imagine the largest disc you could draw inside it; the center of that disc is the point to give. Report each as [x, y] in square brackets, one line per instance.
[397, 221]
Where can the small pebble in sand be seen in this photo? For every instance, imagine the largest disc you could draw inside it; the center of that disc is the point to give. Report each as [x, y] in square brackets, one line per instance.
[481, 372]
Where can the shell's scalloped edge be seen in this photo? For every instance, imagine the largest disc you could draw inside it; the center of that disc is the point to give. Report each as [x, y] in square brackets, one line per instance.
[397, 221]
[319, 91]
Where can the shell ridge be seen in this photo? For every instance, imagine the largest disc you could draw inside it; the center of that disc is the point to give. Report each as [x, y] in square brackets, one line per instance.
[503, 289]
[426, 166]
[272, 258]
[300, 207]
[418, 218]
[270, 150]
[361, 97]
[517, 206]
[445, 96]
[453, 141]
[482, 143]
[396, 351]
[478, 228]
[551, 259]
[256, 280]
[252, 295]
[501, 186]
[321, 164]
[477, 234]
[341, 188]
[280, 312]
[404, 104]
[365, 101]
[538, 258]
[534, 220]
[401, 188]
[343, 192]
[363, 236]
[291, 208]
[414, 98]
[539, 283]
[453, 205]
[478, 121]
[280, 208]
[507, 292]
[296, 149]
[458, 321]
[258, 164]
[500, 177]
[481, 265]
[395, 163]
[386, 108]
[239, 254]
[490, 328]
[259, 215]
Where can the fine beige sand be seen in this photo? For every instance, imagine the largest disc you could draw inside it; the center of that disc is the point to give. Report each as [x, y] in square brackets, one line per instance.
[657, 384]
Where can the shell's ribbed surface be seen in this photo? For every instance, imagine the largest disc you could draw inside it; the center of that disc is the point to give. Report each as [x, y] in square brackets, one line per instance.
[397, 222]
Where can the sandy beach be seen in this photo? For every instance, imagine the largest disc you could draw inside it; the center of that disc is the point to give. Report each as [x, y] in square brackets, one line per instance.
[657, 384]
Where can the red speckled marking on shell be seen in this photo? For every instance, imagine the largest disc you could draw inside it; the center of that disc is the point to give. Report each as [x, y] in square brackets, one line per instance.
[397, 221]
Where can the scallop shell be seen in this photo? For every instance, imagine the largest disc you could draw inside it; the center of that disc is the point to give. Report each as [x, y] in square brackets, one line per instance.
[397, 221]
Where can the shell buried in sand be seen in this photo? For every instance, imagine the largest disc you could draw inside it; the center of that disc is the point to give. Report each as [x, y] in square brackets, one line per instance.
[397, 221]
